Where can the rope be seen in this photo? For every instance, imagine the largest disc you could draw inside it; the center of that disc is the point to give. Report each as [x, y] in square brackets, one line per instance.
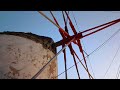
[112, 60]
[112, 11]
[67, 18]
[75, 21]
[91, 67]
[118, 72]
[65, 22]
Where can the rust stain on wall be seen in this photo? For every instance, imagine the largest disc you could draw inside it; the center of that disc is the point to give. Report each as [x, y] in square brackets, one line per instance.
[47, 56]
[52, 67]
[14, 71]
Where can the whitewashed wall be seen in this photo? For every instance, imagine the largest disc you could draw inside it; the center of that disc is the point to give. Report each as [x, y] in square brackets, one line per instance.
[21, 58]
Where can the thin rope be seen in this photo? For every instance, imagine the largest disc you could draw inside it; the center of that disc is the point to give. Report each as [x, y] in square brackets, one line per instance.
[75, 21]
[112, 61]
[112, 12]
[118, 72]
[91, 67]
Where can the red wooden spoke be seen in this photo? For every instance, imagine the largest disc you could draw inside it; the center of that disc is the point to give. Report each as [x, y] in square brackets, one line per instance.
[81, 50]
[65, 61]
[71, 24]
[72, 53]
[117, 20]
[100, 29]
[65, 22]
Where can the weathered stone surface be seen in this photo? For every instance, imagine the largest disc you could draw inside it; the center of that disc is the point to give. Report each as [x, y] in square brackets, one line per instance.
[23, 54]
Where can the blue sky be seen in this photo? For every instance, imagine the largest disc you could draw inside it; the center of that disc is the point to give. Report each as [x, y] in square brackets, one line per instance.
[32, 21]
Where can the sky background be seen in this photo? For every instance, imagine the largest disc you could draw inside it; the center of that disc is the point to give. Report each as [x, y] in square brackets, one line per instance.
[32, 21]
